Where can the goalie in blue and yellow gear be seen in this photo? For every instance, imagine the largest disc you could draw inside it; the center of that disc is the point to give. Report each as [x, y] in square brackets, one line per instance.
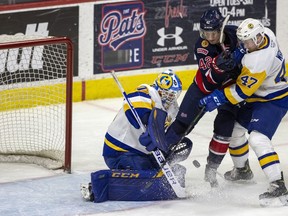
[133, 173]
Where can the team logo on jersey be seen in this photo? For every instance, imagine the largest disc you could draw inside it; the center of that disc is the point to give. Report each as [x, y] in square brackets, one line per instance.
[204, 43]
[250, 26]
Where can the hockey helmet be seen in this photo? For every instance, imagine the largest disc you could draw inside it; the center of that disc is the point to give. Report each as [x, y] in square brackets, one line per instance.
[251, 29]
[169, 87]
[211, 20]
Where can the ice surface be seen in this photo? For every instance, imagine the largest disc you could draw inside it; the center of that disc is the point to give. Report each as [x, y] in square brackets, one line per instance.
[33, 190]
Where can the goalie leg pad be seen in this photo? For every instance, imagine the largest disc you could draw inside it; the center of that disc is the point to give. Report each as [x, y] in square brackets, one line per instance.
[131, 185]
[100, 181]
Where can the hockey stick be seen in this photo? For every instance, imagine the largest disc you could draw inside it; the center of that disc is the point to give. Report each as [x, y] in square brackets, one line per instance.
[179, 191]
[188, 130]
[222, 33]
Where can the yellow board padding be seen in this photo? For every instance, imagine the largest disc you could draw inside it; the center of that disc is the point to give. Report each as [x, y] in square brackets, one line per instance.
[94, 89]
[21, 98]
[107, 88]
[77, 91]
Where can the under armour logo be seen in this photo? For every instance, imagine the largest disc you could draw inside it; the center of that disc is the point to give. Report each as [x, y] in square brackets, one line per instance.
[176, 36]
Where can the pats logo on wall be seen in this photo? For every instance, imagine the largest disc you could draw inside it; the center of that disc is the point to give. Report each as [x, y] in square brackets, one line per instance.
[120, 36]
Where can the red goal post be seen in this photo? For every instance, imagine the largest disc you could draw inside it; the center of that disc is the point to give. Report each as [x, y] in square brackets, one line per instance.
[36, 78]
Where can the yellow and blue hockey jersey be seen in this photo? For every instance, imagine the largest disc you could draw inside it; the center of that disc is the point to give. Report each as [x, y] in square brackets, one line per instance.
[263, 74]
[123, 133]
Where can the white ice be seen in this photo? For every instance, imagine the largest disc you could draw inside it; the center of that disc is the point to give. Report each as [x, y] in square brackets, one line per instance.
[33, 190]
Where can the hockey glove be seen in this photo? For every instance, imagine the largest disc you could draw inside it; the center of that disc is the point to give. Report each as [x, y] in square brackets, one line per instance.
[146, 140]
[154, 136]
[214, 100]
[223, 62]
[227, 61]
[238, 54]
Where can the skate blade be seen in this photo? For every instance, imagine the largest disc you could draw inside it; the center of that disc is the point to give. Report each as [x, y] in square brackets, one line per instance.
[241, 181]
[274, 202]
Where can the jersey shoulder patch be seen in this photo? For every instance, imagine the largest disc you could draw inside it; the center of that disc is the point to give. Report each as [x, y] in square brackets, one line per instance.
[201, 47]
[143, 89]
[204, 43]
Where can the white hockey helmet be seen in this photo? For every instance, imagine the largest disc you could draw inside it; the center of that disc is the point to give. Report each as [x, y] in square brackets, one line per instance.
[169, 87]
[251, 29]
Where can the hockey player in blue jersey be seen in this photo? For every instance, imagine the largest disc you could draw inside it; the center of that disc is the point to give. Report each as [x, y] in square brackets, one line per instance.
[214, 72]
[262, 84]
[134, 173]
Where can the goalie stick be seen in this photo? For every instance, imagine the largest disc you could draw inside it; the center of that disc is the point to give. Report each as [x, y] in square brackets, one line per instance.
[159, 157]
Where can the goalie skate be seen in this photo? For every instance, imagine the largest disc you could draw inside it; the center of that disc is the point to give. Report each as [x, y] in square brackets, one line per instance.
[86, 191]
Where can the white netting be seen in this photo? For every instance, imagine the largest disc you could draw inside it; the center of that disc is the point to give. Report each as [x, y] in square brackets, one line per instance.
[33, 103]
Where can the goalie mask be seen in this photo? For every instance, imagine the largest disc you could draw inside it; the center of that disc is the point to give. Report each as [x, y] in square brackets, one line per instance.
[169, 87]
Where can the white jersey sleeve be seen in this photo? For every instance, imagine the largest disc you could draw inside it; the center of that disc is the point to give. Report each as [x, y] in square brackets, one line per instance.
[262, 76]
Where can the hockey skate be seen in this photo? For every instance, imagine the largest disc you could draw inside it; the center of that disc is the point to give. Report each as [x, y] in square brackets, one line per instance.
[210, 176]
[237, 174]
[277, 194]
[86, 191]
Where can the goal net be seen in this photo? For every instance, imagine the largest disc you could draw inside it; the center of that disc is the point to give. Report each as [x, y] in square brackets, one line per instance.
[36, 100]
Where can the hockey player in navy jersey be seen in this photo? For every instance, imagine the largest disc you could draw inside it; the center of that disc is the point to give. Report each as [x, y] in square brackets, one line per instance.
[262, 84]
[134, 173]
[214, 72]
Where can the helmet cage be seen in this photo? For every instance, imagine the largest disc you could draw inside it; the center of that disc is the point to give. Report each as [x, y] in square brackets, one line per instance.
[168, 97]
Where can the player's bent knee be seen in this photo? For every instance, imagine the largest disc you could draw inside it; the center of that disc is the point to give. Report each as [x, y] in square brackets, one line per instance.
[260, 143]
[238, 136]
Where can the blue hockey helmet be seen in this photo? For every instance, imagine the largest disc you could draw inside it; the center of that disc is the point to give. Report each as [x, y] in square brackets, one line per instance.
[169, 87]
[211, 20]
